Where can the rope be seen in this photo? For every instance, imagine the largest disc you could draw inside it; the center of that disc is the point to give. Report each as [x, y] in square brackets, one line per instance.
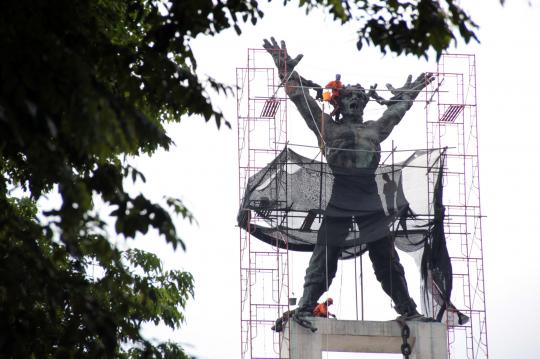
[381, 151]
[310, 113]
[322, 153]
[378, 90]
[355, 272]
[392, 259]
[361, 260]
[323, 145]
[283, 82]
[340, 289]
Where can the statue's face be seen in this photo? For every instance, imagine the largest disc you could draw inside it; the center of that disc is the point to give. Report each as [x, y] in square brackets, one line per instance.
[353, 101]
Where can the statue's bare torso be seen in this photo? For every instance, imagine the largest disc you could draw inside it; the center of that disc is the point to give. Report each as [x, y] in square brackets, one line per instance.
[352, 144]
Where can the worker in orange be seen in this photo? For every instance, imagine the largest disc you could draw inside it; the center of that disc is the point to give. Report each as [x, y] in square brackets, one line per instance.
[335, 86]
[321, 310]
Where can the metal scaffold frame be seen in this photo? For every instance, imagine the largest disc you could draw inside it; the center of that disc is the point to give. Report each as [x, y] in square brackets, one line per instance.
[451, 123]
[264, 269]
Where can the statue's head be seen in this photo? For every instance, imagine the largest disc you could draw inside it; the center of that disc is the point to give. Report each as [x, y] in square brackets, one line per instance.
[353, 99]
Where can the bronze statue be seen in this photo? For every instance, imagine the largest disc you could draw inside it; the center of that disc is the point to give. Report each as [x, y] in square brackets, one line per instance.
[352, 149]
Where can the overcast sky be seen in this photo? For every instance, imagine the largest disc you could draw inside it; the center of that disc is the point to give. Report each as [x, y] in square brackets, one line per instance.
[202, 168]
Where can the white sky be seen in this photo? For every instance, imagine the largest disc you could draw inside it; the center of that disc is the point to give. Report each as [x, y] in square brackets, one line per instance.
[202, 168]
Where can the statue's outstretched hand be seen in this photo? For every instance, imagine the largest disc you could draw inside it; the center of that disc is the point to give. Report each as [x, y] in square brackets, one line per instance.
[374, 95]
[283, 63]
[411, 89]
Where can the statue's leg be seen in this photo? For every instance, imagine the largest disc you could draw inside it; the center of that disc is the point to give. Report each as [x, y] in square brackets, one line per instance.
[391, 275]
[323, 263]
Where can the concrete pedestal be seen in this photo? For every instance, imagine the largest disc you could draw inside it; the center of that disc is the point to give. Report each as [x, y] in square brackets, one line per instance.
[427, 340]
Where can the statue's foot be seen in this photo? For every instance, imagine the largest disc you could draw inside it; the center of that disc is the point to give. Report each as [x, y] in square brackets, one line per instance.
[452, 312]
[411, 314]
[300, 317]
[278, 327]
[414, 317]
[462, 318]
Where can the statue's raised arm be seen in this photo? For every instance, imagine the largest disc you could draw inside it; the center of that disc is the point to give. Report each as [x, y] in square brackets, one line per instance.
[401, 101]
[297, 87]
[349, 142]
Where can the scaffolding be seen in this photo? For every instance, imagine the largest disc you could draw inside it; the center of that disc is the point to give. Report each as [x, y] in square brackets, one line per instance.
[264, 271]
[451, 123]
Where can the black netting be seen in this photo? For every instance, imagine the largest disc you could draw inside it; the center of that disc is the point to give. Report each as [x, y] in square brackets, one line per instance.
[284, 203]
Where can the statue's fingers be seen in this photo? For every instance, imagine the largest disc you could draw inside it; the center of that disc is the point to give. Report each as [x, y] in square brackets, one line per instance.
[390, 87]
[428, 77]
[283, 46]
[274, 42]
[297, 60]
[425, 77]
[373, 87]
[423, 80]
[419, 81]
[266, 44]
[408, 82]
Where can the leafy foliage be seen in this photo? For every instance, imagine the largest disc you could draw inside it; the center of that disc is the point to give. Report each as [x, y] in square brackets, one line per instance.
[410, 27]
[84, 86]
[53, 305]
